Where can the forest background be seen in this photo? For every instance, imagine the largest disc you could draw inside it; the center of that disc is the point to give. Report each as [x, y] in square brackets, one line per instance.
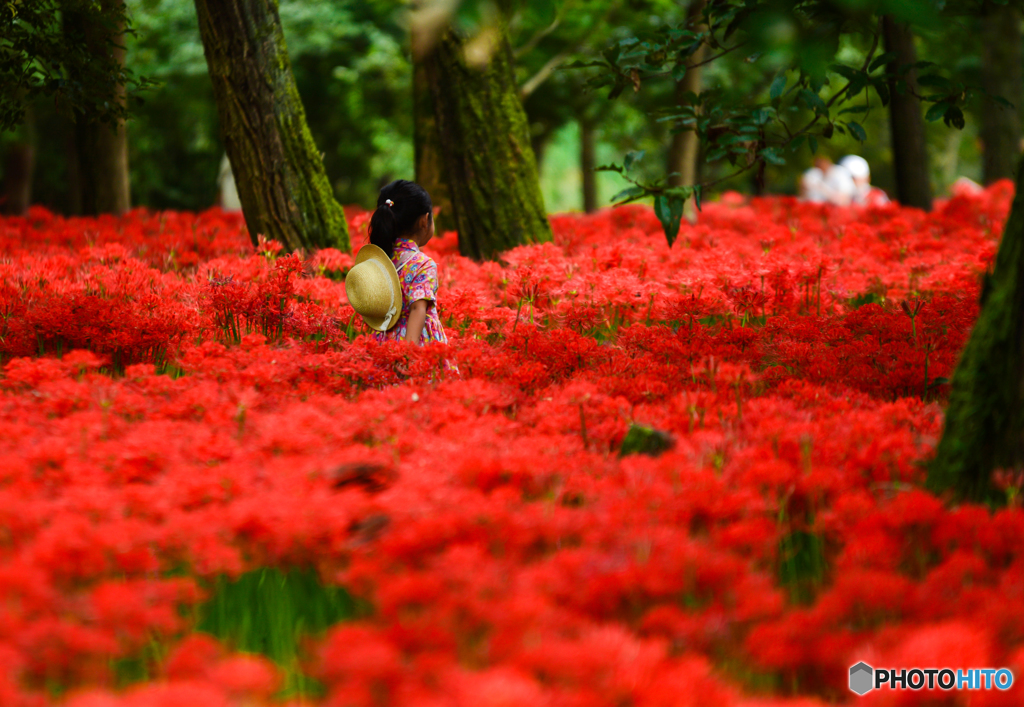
[354, 71]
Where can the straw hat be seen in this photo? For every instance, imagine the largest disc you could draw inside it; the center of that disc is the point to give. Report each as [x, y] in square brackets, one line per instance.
[374, 289]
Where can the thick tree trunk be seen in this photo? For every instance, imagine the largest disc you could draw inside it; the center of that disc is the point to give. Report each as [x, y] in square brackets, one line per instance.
[1001, 76]
[984, 428]
[910, 155]
[280, 175]
[429, 165]
[588, 163]
[102, 147]
[485, 144]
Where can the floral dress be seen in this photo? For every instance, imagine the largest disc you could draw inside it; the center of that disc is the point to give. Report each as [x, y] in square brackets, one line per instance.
[418, 273]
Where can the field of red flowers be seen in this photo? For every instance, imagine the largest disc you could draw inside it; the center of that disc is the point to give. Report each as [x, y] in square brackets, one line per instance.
[177, 409]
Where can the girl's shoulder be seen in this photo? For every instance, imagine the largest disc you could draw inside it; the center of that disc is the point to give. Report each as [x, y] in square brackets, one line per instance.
[415, 258]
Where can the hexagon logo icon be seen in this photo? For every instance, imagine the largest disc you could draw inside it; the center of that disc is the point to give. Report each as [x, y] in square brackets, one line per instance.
[860, 678]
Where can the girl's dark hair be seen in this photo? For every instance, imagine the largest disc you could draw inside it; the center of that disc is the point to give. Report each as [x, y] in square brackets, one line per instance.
[409, 201]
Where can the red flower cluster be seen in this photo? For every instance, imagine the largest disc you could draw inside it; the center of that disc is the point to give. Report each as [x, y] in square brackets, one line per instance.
[175, 406]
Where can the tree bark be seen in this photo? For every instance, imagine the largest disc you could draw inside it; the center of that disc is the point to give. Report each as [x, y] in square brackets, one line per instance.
[19, 167]
[280, 175]
[102, 147]
[485, 144]
[984, 428]
[685, 147]
[910, 155]
[429, 164]
[588, 163]
[1001, 76]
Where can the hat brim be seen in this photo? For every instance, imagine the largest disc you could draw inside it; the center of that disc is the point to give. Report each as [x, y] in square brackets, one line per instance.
[372, 252]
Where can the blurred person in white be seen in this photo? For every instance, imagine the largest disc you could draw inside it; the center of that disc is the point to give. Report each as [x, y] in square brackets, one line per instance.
[827, 182]
[229, 200]
[864, 194]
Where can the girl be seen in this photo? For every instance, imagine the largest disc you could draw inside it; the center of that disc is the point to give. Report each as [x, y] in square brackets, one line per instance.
[402, 223]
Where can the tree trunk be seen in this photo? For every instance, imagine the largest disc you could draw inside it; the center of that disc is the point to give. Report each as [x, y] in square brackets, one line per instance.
[485, 144]
[102, 147]
[1001, 76]
[429, 165]
[280, 175]
[910, 155]
[588, 162]
[684, 152]
[19, 167]
[685, 147]
[984, 428]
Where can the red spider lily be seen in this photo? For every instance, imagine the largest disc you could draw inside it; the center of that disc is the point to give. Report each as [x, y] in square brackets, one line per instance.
[177, 405]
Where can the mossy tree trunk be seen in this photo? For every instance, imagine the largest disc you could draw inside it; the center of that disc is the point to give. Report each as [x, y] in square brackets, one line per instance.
[484, 141]
[102, 147]
[984, 429]
[909, 152]
[280, 175]
[1000, 76]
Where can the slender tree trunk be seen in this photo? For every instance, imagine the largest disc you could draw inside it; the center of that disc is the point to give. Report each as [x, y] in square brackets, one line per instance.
[19, 167]
[1001, 76]
[910, 155]
[485, 144]
[429, 165]
[684, 152]
[280, 175]
[685, 148]
[588, 162]
[102, 147]
[984, 428]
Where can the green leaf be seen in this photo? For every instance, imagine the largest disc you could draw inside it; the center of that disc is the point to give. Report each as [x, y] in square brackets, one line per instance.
[882, 88]
[669, 210]
[937, 111]
[857, 131]
[609, 168]
[954, 118]
[696, 195]
[882, 59]
[935, 81]
[813, 101]
[679, 71]
[812, 142]
[772, 156]
[847, 72]
[854, 109]
[627, 195]
[778, 86]
[632, 158]
[715, 155]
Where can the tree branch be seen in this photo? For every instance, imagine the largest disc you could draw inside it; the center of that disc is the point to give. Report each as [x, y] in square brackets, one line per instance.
[543, 74]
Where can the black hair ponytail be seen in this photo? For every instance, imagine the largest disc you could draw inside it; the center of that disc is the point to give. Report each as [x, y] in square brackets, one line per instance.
[399, 206]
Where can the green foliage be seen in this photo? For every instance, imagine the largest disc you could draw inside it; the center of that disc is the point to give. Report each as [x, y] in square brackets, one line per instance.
[801, 565]
[269, 612]
[43, 55]
[353, 74]
[814, 71]
[641, 439]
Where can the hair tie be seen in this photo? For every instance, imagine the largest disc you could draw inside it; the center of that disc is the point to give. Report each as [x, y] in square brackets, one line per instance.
[389, 203]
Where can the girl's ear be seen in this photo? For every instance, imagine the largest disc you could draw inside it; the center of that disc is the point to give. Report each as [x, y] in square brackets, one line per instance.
[423, 223]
